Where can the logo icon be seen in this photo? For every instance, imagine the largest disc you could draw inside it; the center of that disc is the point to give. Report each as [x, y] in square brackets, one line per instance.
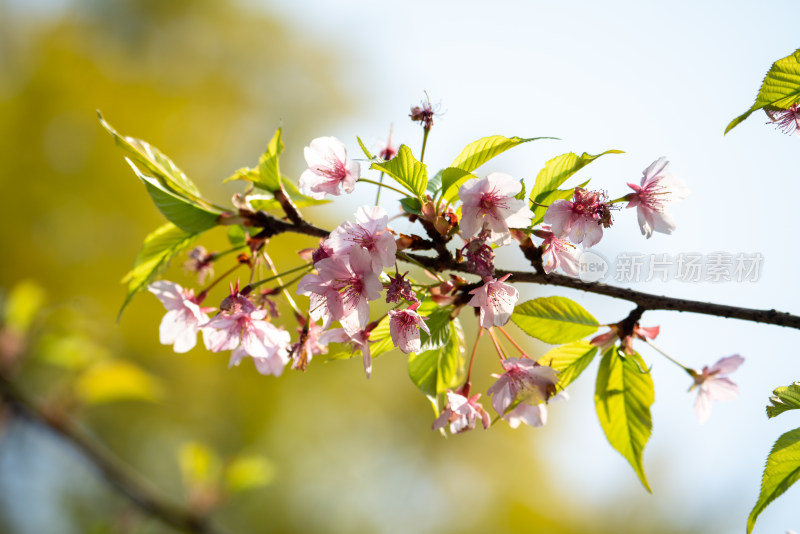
[593, 267]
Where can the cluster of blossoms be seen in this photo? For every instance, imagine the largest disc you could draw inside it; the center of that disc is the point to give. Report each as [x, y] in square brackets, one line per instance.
[356, 265]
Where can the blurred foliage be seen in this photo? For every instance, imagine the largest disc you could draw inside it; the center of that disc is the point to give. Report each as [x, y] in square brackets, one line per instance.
[207, 82]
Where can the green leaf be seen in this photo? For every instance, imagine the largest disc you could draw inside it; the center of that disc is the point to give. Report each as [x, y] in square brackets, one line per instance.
[479, 152]
[237, 236]
[435, 371]
[411, 205]
[405, 168]
[779, 90]
[558, 170]
[269, 173]
[268, 202]
[554, 320]
[782, 470]
[247, 174]
[182, 212]
[569, 360]
[549, 198]
[784, 399]
[382, 338]
[158, 249]
[452, 179]
[159, 165]
[435, 183]
[364, 149]
[623, 396]
[438, 322]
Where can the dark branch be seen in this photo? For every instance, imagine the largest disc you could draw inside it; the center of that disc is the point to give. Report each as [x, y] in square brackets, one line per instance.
[107, 464]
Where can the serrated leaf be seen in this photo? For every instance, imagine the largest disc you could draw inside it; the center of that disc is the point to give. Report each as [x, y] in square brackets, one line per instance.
[435, 183]
[268, 170]
[408, 172]
[182, 212]
[116, 380]
[479, 152]
[782, 470]
[784, 399]
[159, 165]
[554, 320]
[779, 90]
[623, 396]
[569, 360]
[549, 198]
[245, 173]
[158, 249]
[435, 371]
[558, 170]
[364, 149]
[438, 321]
[452, 179]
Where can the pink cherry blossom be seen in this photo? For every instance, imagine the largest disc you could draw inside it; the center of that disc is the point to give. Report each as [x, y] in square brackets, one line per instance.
[404, 327]
[658, 188]
[532, 415]
[240, 324]
[559, 253]
[606, 340]
[489, 203]
[329, 171]
[462, 413]
[711, 384]
[359, 340]
[496, 301]
[272, 341]
[524, 382]
[342, 288]
[786, 120]
[581, 219]
[184, 318]
[370, 232]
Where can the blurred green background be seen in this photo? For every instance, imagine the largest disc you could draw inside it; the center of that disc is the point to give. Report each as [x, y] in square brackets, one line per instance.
[208, 82]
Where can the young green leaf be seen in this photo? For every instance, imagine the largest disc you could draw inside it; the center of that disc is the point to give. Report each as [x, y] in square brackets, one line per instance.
[405, 168]
[364, 149]
[268, 170]
[435, 183]
[452, 179]
[569, 360]
[782, 470]
[479, 152]
[438, 323]
[779, 90]
[182, 212]
[623, 396]
[237, 236]
[267, 201]
[158, 249]
[558, 170]
[783, 399]
[554, 320]
[159, 165]
[435, 371]
[411, 205]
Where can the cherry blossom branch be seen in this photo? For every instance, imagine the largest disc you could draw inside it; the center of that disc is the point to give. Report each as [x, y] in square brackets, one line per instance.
[645, 301]
[111, 468]
[445, 261]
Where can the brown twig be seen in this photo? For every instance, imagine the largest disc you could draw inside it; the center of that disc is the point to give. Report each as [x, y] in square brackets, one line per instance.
[111, 468]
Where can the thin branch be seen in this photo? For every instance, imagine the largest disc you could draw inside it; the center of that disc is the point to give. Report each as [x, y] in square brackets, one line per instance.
[111, 468]
[646, 301]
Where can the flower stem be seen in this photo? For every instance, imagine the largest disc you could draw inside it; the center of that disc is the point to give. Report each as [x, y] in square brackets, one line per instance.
[497, 344]
[286, 294]
[472, 358]
[379, 184]
[204, 293]
[667, 356]
[254, 285]
[424, 143]
[520, 349]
